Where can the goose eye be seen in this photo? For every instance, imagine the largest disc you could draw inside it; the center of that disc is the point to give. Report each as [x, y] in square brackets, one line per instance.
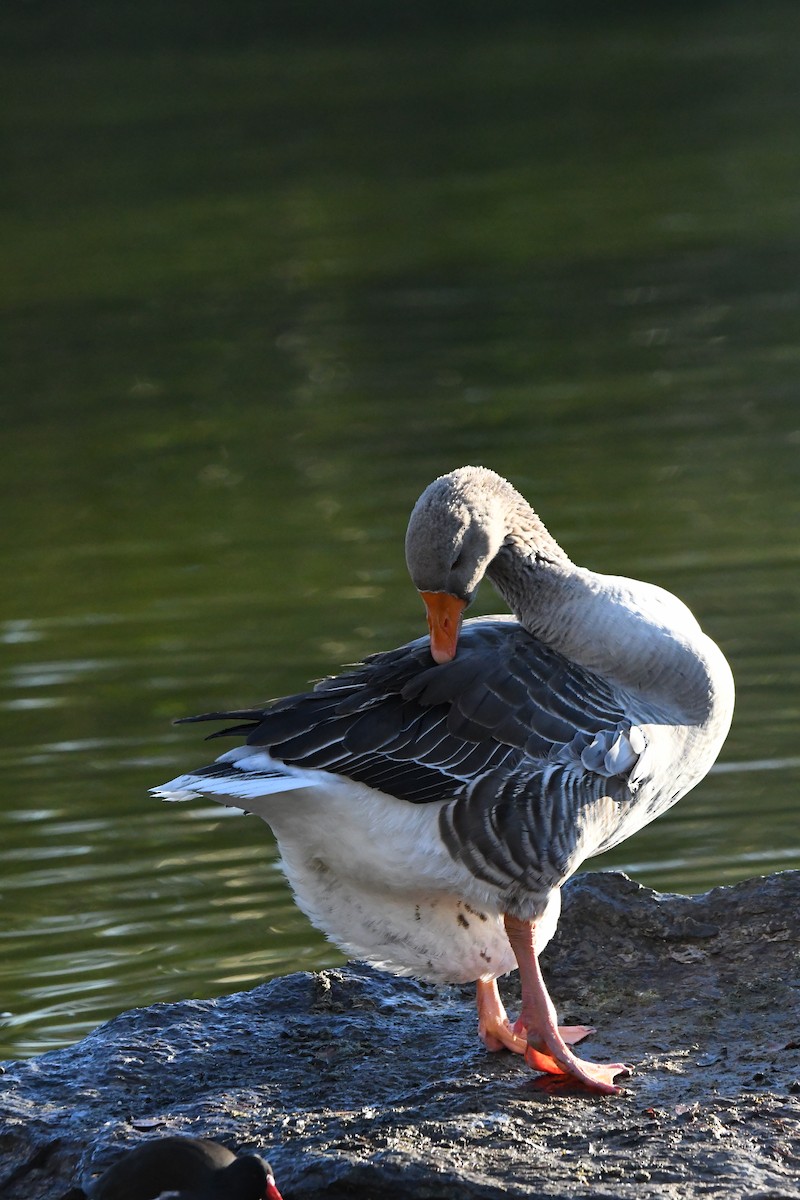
[457, 561]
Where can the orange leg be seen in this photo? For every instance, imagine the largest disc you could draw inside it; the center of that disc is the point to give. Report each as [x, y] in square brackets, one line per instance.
[547, 1048]
[494, 1028]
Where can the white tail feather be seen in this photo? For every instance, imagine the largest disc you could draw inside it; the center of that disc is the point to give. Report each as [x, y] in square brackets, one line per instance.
[250, 773]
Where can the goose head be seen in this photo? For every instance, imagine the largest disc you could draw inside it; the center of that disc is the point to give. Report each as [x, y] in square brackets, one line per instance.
[457, 528]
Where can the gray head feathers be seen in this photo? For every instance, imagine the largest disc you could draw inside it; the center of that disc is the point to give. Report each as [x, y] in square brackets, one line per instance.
[459, 525]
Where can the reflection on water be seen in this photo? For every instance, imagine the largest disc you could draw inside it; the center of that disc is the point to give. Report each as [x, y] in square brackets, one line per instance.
[273, 304]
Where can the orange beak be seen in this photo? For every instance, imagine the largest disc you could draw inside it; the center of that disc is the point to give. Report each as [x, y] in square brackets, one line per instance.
[444, 622]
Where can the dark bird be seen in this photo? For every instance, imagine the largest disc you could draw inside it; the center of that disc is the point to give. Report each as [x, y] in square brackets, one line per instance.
[430, 803]
[186, 1168]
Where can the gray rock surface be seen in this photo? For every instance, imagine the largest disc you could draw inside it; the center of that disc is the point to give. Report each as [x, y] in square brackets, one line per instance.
[357, 1084]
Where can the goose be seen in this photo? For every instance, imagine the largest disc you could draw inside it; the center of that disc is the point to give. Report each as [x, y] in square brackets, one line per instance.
[430, 803]
[186, 1168]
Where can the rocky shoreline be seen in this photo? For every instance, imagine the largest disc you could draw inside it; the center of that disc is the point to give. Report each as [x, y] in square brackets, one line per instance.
[359, 1085]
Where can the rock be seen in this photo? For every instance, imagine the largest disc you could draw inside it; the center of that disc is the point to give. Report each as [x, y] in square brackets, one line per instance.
[357, 1084]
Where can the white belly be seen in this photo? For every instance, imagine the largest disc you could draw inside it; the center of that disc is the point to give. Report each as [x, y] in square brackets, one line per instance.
[372, 873]
[433, 936]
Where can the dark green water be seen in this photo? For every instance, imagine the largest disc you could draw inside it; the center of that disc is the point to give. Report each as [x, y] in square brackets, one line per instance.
[255, 295]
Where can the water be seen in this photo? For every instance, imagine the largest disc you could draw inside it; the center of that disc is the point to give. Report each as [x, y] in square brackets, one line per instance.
[257, 295]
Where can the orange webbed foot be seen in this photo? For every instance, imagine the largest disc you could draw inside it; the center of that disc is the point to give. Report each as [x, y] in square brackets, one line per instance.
[497, 1032]
[570, 1034]
[595, 1077]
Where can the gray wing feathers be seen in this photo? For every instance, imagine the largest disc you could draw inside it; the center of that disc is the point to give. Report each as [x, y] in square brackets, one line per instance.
[526, 832]
[521, 740]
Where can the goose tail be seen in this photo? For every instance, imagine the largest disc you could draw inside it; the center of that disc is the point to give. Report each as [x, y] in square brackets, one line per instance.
[241, 775]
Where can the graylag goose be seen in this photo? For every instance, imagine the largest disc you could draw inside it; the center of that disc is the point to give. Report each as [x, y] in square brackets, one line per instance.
[430, 803]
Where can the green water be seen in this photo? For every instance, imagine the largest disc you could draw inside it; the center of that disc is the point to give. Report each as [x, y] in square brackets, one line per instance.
[256, 292]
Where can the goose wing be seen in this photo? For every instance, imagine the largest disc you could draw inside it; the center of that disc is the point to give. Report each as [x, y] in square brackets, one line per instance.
[506, 706]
